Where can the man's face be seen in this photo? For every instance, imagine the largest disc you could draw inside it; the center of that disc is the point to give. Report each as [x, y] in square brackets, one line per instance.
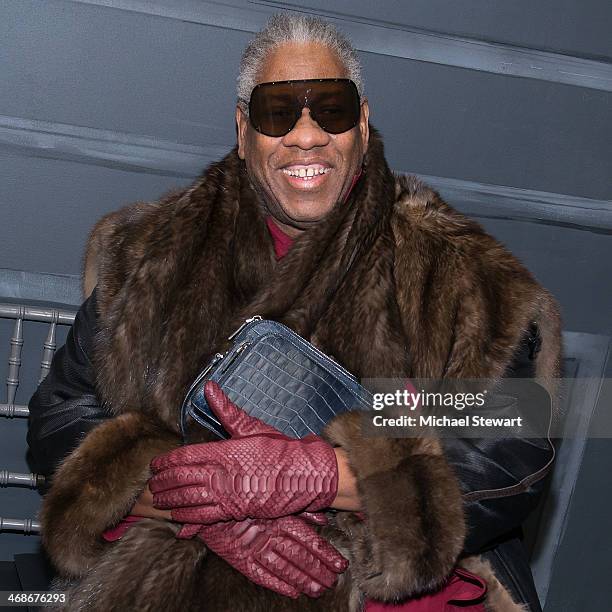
[296, 202]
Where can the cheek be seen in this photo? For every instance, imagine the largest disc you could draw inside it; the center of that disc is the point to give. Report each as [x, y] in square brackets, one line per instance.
[253, 161]
[262, 175]
[259, 158]
[351, 148]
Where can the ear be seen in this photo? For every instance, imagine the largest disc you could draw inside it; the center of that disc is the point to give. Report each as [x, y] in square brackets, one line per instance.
[364, 126]
[242, 124]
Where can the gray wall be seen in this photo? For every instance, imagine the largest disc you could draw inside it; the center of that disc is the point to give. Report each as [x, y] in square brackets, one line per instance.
[504, 106]
[101, 106]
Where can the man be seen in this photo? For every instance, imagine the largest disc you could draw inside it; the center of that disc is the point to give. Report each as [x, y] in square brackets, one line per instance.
[302, 223]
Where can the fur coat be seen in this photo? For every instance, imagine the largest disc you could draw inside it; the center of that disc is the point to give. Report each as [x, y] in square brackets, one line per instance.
[428, 294]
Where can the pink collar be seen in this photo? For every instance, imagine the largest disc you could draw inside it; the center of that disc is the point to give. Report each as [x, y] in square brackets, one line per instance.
[282, 242]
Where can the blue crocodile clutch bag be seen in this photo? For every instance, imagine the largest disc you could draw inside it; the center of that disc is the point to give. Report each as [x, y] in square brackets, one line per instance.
[275, 375]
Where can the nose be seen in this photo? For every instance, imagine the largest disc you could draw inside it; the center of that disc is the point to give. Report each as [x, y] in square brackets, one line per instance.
[306, 133]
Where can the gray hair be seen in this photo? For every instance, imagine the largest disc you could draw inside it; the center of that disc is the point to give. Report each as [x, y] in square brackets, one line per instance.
[287, 28]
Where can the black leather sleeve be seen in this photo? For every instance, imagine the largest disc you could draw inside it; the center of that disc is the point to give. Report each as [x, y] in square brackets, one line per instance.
[501, 479]
[65, 406]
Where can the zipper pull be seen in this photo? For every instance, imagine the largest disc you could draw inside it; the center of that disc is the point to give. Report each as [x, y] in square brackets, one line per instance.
[246, 322]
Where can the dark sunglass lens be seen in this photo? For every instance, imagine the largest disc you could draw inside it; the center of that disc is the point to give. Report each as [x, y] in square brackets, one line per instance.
[336, 106]
[273, 109]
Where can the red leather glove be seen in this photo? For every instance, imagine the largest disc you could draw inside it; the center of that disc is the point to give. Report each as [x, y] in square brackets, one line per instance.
[285, 554]
[260, 473]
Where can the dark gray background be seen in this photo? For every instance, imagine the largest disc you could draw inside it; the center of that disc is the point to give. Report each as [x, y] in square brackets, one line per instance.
[103, 105]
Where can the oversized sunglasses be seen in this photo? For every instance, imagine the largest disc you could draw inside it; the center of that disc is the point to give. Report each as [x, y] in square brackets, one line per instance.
[275, 108]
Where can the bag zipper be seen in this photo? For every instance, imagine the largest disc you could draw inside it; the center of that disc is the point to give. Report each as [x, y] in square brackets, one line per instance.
[246, 322]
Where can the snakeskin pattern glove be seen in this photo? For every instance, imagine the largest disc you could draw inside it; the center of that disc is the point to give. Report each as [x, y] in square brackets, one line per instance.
[285, 555]
[259, 473]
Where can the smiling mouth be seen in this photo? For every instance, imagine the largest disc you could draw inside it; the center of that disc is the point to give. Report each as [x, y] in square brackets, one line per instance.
[306, 173]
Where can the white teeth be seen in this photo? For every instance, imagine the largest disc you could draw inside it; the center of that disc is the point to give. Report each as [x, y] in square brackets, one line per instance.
[306, 173]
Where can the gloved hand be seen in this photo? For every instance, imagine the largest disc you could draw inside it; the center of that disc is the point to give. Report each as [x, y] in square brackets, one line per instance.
[259, 473]
[285, 554]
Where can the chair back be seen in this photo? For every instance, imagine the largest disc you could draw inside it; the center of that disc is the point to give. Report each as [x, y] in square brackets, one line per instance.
[19, 315]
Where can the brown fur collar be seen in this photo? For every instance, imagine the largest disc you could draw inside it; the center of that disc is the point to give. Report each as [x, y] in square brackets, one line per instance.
[428, 294]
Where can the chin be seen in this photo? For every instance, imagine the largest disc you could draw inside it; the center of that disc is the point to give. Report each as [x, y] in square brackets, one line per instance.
[309, 218]
[309, 214]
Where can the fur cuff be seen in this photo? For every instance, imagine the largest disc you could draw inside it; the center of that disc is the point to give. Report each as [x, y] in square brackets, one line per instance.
[96, 486]
[148, 570]
[415, 527]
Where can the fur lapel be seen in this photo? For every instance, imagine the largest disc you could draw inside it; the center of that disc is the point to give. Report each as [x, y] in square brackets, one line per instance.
[466, 302]
[184, 263]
